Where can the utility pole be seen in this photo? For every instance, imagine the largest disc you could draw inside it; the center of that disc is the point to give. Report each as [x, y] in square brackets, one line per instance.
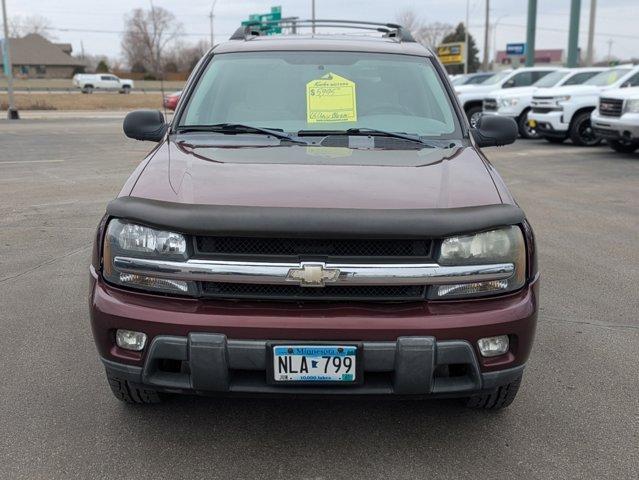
[484, 64]
[12, 113]
[610, 42]
[573, 34]
[531, 31]
[212, 17]
[466, 52]
[313, 15]
[590, 56]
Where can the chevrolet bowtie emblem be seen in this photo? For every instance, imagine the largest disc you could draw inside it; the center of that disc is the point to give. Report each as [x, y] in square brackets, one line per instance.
[312, 275]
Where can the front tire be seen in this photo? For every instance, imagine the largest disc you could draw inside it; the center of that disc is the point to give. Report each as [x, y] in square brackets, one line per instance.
[623, 147]
[581, 132]
[474, 114]
[525, 130]
[133, 394]
[501, 398]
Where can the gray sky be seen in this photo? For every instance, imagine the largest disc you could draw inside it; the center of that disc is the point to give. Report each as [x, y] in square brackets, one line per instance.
[616, 19]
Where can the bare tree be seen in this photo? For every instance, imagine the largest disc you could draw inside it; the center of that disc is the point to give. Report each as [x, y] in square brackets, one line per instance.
[19, 26]
[148, 34]
[183, 57]
[428, 34]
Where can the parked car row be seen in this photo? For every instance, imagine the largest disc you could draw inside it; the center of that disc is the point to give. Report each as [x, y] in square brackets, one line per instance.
[557, 103]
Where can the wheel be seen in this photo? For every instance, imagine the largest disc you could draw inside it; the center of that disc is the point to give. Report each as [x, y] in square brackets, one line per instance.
[622, 146]
[126, 89]
[500, 398]
[131, 393]
[87, 89]
[474, 114]
[525, 130]
[581, 132]
[555, 139]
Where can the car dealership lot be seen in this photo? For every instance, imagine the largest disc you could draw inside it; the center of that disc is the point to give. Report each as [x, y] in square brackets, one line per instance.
[577, 415]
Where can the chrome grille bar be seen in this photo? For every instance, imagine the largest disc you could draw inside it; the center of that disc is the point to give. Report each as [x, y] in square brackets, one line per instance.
[340, 274]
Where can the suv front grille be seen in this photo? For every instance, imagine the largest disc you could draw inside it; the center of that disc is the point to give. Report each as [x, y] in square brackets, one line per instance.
[296, 247]
[293, 292]
[610, 107]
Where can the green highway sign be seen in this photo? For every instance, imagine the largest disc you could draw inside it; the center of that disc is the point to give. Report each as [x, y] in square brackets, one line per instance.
[269, 23]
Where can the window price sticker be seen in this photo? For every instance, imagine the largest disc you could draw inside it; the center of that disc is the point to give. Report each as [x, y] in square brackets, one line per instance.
[331, 99]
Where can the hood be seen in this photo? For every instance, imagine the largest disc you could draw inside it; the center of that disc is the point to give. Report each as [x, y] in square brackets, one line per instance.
[569, 90]
[513, 92]
[316, 177]
[622, 93]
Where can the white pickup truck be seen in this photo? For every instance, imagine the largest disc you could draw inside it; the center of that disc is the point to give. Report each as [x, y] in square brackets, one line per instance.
[617, 119]
[102, 81]
[516, 102]
[564, 112]
[471, 97]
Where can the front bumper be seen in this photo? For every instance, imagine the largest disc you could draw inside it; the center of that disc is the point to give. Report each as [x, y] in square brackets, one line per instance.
[550, 124]
[502, 112]
[211, 363]
[625, 127]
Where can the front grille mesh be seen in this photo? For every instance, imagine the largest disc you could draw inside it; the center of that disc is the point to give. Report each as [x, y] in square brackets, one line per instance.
[372, 248]
[294, 292]
[610, 107]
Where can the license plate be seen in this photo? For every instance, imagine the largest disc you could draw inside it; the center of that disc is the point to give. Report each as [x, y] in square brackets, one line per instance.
[315, 363]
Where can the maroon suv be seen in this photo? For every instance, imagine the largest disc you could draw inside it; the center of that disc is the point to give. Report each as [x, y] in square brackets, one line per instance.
[319, 219]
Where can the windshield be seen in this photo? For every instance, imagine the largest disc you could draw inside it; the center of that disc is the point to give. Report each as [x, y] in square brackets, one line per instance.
[498, 77]
[460, 80]
[325, 91]
[551, 79]
[608, 77]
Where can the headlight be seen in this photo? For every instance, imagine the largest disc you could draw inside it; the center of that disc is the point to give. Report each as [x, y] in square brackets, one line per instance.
[505, 245]
[508, 102]
[632, 106]
[561, 99]
[124, 239]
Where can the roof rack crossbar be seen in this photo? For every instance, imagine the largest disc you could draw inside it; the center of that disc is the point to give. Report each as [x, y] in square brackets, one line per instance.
[391, 30]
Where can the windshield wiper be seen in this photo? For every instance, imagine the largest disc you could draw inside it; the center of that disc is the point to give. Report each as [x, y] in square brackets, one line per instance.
[234, 128]
[367, 131]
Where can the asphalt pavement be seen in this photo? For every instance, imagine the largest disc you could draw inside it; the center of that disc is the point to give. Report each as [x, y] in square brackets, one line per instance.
[576, 415]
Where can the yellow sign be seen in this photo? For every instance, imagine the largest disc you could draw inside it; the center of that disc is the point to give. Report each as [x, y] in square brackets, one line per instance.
[451, 53]
[331, 99]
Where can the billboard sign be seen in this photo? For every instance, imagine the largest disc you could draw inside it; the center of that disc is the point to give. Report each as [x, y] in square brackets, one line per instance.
[516, 49]
[451, 53]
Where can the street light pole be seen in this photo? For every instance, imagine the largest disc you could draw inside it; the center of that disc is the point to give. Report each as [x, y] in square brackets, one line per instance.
[12, 113]
[212, 17]
[313, 15]
[466, 52]
[484, 65]
[591, 33]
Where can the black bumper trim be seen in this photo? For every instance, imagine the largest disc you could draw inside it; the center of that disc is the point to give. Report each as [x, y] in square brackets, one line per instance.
[216, 364]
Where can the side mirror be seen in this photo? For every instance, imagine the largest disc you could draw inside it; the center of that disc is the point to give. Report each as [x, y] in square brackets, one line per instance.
[495, 131]
[145, 125]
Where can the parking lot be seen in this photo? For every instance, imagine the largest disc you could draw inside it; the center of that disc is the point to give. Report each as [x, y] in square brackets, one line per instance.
[577, 415]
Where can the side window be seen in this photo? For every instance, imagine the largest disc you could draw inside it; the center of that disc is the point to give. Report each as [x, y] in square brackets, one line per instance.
[522, 79]
[579, 78]
[539, 75]
[632, 81]
[105, 78]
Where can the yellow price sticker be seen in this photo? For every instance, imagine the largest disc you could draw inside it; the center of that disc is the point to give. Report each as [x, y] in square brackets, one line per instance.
[331, 99]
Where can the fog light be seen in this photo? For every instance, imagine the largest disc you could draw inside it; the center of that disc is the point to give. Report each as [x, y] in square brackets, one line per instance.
[493, 346]
[130, 340]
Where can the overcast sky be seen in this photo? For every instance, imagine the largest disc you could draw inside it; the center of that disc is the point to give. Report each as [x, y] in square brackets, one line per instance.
[617, 20]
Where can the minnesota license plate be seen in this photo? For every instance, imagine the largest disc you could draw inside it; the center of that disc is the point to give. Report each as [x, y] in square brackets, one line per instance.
[315, 363]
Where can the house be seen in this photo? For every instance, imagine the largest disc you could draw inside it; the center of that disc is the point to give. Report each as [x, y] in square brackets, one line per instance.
[33, 56]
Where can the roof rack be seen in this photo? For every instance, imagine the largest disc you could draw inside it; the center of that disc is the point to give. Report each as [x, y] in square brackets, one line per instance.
[390, 30]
